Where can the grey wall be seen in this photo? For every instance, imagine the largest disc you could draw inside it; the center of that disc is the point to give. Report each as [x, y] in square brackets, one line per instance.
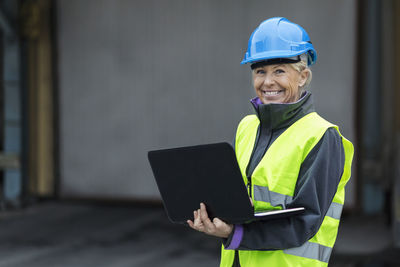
[142, 75]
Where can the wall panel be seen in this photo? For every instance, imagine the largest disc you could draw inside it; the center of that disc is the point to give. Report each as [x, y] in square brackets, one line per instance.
[141, 75]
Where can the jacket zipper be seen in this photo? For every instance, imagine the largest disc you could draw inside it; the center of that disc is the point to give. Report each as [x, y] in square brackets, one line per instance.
[249, 185]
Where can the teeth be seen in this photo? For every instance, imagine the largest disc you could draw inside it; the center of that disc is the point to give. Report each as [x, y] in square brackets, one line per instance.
[271, 93]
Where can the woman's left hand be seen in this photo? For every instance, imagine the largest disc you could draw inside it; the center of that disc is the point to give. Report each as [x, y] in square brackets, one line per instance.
[202, 223]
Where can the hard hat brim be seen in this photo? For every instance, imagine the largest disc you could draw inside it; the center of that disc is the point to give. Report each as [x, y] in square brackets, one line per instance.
[265, 56]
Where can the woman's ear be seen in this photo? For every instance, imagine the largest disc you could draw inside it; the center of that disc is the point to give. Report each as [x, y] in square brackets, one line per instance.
[304, 74]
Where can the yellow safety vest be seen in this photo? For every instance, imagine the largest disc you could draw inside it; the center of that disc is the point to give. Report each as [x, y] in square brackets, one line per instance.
[273, 185]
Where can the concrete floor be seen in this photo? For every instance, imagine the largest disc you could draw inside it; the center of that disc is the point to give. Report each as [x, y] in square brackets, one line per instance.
[74, 234]
[61, 234]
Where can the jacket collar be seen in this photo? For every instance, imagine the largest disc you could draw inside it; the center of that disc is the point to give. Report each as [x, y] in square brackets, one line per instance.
[276, 116]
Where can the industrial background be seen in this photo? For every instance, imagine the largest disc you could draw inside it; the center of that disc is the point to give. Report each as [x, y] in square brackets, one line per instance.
[88, 87]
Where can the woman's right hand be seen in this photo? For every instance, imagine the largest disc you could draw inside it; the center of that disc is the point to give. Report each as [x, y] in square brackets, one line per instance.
[202, 223]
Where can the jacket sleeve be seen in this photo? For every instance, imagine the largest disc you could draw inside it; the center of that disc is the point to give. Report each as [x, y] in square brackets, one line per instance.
[316, 186]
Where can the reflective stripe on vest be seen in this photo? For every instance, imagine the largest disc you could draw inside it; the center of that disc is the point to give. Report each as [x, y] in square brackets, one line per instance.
[335, 210]
[262, 193]
[311, 250]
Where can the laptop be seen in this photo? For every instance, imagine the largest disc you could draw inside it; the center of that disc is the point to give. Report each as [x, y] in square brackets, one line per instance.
[187, 176]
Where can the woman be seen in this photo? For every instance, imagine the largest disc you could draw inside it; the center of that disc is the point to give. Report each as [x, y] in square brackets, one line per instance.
[289, 157]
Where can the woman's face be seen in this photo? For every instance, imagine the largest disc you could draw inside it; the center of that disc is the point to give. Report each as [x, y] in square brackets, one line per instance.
[278, 83]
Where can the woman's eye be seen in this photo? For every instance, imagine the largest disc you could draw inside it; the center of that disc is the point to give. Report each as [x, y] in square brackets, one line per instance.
[279, 71]
[260, 71]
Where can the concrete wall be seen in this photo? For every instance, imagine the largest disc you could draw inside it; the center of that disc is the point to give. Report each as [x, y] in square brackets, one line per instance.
[142, 75]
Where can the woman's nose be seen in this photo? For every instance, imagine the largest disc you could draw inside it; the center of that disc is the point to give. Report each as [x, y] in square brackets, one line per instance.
[269, 80]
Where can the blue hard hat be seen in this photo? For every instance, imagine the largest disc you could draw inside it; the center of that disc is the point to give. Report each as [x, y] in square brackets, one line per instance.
[278, 38]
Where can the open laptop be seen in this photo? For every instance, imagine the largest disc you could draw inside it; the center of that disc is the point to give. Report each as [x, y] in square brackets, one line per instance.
[210, 174]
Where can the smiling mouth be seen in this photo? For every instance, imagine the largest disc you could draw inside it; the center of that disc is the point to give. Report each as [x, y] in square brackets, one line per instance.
[271, 93]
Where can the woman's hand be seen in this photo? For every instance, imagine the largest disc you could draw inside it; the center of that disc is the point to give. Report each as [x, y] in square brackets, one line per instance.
[203, 224]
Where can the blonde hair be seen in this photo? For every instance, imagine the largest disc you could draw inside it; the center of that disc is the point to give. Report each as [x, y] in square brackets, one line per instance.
[300, 66]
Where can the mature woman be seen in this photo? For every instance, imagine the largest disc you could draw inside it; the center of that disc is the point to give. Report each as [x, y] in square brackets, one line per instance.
[289, 157]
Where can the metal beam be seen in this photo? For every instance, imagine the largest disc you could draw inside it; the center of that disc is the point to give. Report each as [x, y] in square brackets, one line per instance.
[6, 26]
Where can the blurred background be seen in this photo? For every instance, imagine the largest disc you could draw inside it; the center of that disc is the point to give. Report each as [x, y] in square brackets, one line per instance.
[88, 87]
